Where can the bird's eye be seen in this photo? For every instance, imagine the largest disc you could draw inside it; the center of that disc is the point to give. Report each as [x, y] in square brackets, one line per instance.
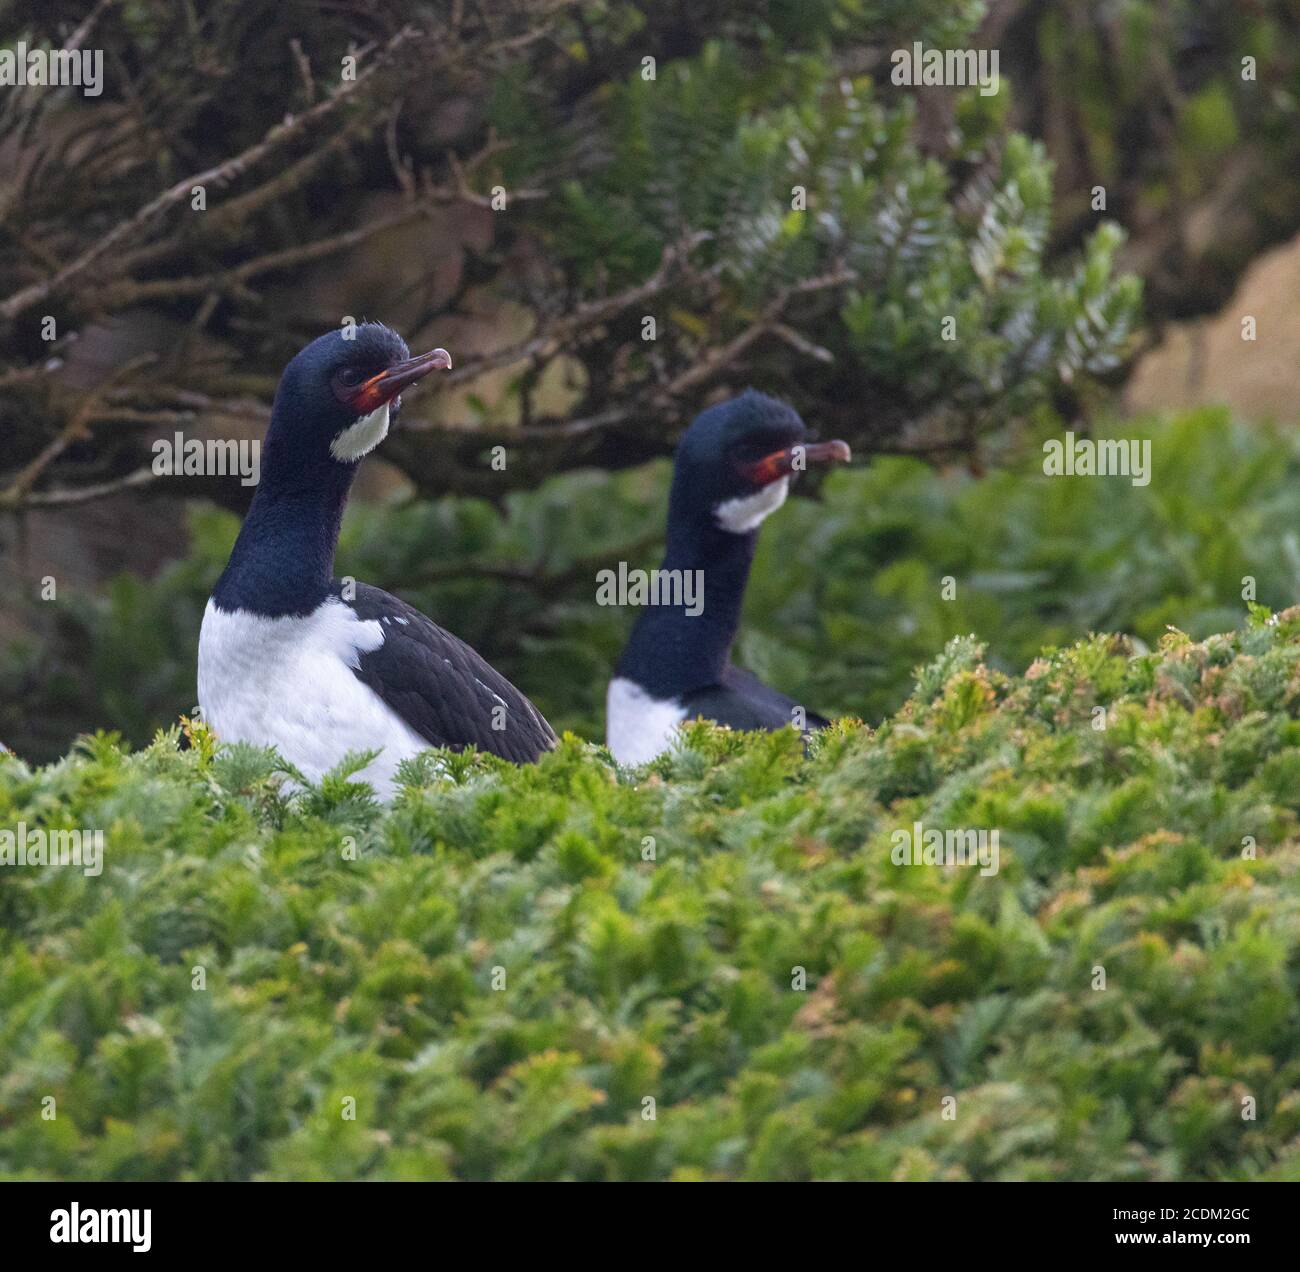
[350, 377]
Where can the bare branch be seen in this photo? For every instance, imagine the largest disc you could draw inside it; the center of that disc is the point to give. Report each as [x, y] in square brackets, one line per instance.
[549, 341]
[290, 127]
[62, 497]
[76, 428]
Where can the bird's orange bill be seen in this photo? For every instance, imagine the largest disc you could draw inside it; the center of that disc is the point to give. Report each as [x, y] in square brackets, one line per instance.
[385, 386]
[795, 458]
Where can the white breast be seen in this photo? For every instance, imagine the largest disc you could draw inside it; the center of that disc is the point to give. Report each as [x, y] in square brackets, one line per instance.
[288, 683]
[637, 726]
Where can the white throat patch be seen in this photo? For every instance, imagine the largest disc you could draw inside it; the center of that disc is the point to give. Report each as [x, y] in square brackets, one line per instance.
[362, 437]
[746, 512]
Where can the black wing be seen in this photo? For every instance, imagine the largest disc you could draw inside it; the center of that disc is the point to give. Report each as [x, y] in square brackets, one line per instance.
[741, 700]
[442, 688]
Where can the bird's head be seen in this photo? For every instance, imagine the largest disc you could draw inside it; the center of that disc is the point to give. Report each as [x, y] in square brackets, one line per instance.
[340, 394]
[735, 462]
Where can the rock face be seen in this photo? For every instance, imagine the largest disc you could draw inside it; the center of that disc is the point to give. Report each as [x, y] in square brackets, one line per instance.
[1210, 360]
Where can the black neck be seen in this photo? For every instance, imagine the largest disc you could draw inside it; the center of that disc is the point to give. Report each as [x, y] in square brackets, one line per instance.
[283, 560]
[672, 652]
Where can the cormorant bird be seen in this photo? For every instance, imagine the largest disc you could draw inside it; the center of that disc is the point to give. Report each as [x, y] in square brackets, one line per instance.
[732, 469]
[290, 656]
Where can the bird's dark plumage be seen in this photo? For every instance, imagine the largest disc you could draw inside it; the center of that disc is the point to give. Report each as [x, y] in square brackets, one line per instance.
[442, 688]
[742, 701]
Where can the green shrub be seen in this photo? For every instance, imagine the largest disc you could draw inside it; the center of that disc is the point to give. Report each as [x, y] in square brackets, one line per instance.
[506, 966]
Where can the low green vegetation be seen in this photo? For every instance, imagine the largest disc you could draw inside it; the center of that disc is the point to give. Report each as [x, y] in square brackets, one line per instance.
[565, 971]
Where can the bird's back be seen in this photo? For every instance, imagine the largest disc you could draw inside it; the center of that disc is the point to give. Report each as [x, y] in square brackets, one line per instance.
[441, 688]
[742, 701]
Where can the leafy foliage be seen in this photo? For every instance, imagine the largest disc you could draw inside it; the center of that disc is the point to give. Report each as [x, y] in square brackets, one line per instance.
[943, 324]
[332, 976]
